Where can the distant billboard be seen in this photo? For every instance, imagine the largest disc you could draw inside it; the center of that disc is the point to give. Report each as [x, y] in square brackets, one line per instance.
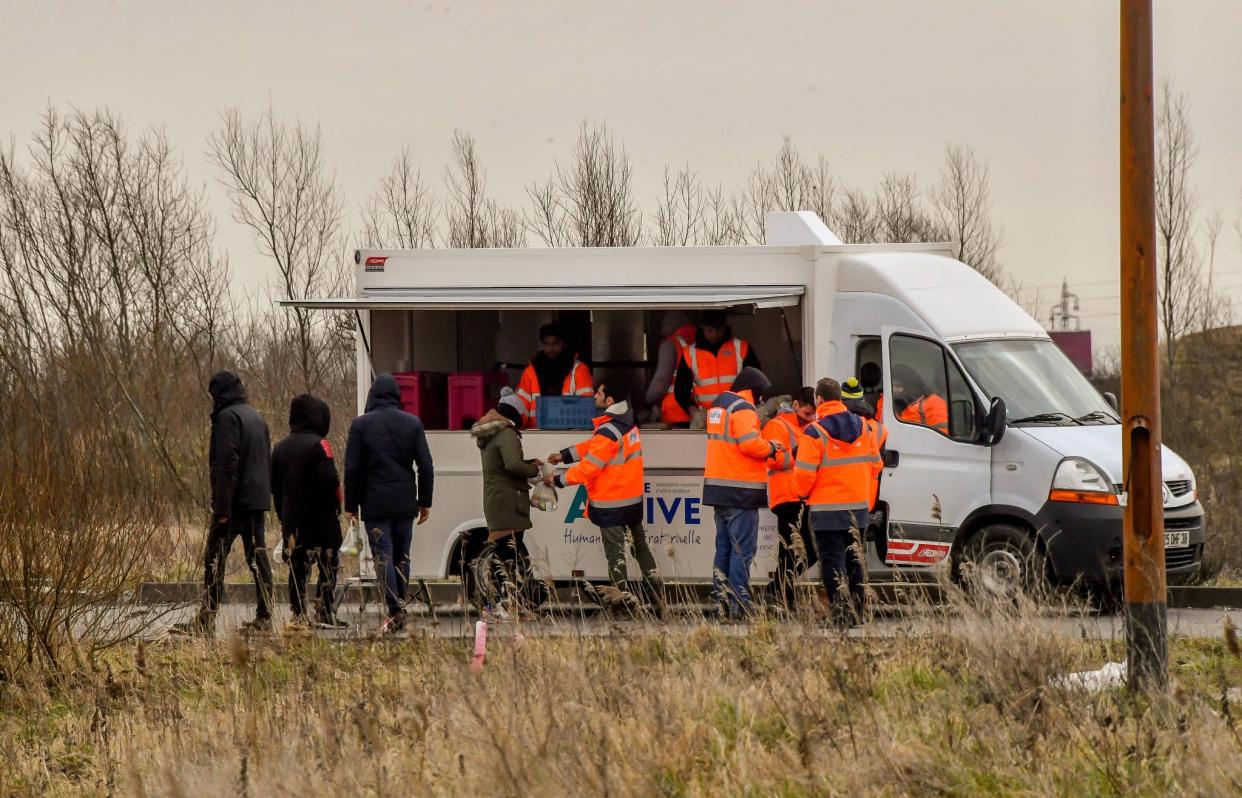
[1076, 344]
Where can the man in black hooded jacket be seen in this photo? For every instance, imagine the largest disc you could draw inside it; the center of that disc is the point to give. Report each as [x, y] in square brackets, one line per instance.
[308, 501]
[385, 446]
[239, 457]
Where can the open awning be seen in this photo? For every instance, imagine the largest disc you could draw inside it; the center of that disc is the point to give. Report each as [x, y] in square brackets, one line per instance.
[761, 296]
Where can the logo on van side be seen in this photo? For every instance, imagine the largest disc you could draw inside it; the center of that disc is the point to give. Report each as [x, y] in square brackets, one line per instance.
[375, 263]
[656, 509]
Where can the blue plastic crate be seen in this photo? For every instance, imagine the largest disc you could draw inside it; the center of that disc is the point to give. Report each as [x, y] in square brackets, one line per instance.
[565, 412]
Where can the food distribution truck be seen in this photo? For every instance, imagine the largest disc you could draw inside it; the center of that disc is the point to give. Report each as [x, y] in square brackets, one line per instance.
[1026, 481]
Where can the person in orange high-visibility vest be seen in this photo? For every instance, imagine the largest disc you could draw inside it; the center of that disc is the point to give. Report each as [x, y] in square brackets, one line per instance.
[833, 474]
[921, 405]
[711, 363]
[872, 379]
[660, 392]
[610, 465]
[735, 485]
[853, 397]
[785, 428]
[554, 371]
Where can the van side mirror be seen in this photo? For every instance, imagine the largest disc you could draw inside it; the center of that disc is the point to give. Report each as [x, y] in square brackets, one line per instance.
[993, 427]
[1111, 398]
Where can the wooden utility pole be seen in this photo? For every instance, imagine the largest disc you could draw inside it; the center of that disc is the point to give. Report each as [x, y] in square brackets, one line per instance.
[1143, 541]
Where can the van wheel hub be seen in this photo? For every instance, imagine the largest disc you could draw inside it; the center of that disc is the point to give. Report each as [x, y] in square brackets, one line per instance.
[999, 572]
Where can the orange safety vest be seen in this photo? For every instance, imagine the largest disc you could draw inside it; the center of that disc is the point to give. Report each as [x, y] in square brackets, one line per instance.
[670, 411]
[928, 411]
[879, 435]
[785, 430]
[714, 374]
[610, 465]
[835, 476]
[577, 383]
[735, 473]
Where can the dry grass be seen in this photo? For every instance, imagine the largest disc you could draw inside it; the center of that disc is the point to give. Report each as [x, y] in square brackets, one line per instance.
[686, 709]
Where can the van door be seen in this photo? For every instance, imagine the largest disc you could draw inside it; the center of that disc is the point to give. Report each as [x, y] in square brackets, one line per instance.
[936, 473]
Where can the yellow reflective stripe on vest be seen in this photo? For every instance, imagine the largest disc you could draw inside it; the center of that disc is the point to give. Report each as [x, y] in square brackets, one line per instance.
[735, 483]
[828, 508]
[609, 505]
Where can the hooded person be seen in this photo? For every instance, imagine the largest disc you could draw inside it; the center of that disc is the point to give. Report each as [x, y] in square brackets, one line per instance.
[506, 491]
[609, 465]
[386, 445]
[555, 370]
[834, 474]
[238, 459]
[307, 493]
[735, 484]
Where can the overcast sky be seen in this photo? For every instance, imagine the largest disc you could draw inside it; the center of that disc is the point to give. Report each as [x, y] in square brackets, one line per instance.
[876, 86]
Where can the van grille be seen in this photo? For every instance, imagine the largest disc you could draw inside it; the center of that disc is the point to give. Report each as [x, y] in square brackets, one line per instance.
[1181, 523]
[1178, 487]
[1178, 558]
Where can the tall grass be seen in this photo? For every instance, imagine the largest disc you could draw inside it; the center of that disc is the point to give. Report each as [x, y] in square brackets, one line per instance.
[963, 704]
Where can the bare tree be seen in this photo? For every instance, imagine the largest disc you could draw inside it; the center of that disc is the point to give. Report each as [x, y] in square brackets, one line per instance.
[681, 213]
[590, 202]
[900, 214]
[473, 219]
[1177, 207]
[962, 208]
[402, 212]
[856, 218]
[282, 191]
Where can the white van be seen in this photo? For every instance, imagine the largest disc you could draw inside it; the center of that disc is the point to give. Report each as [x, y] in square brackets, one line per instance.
[1028, 472]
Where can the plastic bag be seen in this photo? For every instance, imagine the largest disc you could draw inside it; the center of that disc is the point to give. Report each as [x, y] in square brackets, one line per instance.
[543, 497]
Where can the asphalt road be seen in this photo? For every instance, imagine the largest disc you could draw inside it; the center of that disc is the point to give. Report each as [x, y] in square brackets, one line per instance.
[888, 622]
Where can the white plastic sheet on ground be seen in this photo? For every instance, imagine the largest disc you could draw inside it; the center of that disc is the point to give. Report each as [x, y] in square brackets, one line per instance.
[1109, 677]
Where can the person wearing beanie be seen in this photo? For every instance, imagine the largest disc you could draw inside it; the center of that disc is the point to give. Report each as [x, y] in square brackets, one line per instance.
[852, 396]
[610, 465]
[735, 485]
[506, 493]
[711, 363]
[854, 399]
[555, 370]
[796, 550]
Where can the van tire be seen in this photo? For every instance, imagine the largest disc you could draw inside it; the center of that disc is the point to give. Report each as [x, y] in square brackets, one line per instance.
[1003, 562]
[465, 553]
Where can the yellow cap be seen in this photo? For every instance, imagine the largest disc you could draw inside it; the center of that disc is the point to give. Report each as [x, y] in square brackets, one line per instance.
[851, 389]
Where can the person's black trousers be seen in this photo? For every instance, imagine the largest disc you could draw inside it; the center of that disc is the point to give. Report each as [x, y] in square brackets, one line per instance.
[791, 520]
[840, 564]
[248, 526]
[327, 562]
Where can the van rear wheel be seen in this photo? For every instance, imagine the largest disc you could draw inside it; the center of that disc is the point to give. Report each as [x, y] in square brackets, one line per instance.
[1002, 562]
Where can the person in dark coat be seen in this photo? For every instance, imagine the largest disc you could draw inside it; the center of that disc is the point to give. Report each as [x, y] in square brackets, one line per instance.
[506, 491]
[385, 447]
[307, 491]
[238, 457]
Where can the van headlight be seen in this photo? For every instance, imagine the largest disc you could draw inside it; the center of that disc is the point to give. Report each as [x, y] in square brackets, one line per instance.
[1079, 480]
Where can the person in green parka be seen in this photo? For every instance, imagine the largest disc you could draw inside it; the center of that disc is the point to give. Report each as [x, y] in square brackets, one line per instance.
[506, 491]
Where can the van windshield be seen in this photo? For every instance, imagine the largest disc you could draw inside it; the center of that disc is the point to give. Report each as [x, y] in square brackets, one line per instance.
[1037, 381]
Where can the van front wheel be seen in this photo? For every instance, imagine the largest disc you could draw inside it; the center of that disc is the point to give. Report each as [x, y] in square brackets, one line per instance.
[1001, 561]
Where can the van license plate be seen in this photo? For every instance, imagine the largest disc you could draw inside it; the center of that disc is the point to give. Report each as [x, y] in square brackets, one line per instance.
[1176, 539]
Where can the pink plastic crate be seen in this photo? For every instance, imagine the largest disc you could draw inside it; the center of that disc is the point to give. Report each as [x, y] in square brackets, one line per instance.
[422, 393]
[471, 394]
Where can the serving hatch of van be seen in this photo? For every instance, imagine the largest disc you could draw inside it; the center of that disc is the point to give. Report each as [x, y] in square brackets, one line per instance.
[1022, 475]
